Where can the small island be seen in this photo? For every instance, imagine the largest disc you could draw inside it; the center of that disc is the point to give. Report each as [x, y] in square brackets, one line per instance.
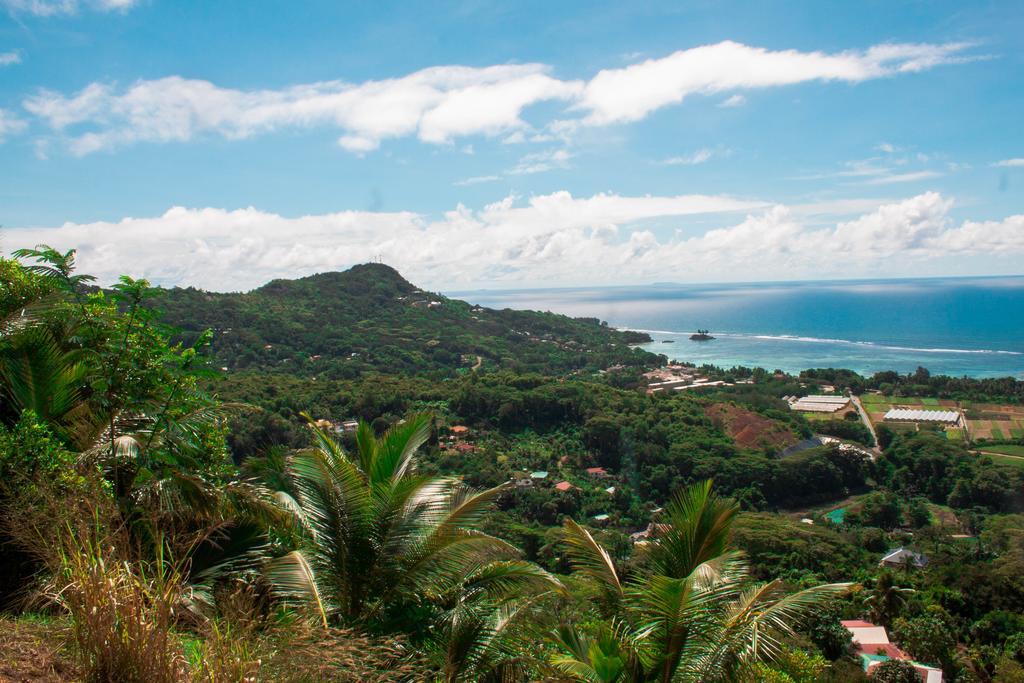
[701, 335]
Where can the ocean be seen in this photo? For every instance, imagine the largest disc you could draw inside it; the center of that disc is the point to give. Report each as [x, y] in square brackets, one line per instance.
[952, 326]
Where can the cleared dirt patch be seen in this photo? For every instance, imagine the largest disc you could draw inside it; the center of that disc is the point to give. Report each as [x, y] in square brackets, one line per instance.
[748, 429]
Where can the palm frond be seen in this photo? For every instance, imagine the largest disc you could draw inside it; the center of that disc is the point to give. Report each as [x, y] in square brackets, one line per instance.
[589, 558]
[598, 659]
[700, 524]
[292, 576]
[394, 451]
[37, 375]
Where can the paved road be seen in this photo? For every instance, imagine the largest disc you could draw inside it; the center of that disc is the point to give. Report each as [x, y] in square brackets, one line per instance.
[867, 422]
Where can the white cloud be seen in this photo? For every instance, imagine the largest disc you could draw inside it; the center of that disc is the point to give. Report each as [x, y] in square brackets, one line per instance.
[886, 147]
[440, 104]
[733, 101]
[698, 157]
[777, 245]
[240, 249]
[553, 239]
[9, 124]
[633, 92]
[435, 104]
[49, 8]
[539, 162]
[1009, 163]
[10, 58]
[885, 170]
[476, 180]
[891, 178]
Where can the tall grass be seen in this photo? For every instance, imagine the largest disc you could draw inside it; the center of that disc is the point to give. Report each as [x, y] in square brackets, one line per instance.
[122, 612]
[132, 617]
[122, 609]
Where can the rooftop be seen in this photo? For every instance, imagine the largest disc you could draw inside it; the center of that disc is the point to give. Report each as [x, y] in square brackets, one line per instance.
[915, 415]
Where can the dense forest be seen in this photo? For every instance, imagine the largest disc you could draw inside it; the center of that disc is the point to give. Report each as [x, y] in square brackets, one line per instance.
[385, 484]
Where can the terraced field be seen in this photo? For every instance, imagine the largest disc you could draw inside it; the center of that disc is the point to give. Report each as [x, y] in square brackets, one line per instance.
[984, 420]
[994, 421]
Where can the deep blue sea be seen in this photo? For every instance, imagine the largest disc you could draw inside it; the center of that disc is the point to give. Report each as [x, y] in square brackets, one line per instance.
[954, 326]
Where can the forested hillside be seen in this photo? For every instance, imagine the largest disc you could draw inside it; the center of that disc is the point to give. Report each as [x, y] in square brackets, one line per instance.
[340, 325]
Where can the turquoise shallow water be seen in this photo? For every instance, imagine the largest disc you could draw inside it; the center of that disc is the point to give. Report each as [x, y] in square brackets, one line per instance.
[955, 326]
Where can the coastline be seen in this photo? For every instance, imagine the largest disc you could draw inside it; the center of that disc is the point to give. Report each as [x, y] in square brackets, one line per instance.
[793, 354]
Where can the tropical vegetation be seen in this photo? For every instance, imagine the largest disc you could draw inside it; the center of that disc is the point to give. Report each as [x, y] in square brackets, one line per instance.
[168, 521]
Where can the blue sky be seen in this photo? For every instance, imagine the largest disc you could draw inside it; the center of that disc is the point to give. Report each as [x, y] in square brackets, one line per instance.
[515, 144]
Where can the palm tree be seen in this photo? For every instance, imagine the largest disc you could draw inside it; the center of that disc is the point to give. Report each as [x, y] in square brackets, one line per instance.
[384, 543]
[490, 622]
[886, 599]
[692, 613]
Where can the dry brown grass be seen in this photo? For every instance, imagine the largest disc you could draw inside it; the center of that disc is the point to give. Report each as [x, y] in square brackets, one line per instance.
[30, 652]
[121, 609]
[310, 653]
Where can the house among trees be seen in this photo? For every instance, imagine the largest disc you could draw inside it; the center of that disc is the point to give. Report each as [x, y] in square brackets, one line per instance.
[564, 486]
[598, 472]
[347, 426]
[901, 557]
[651, 531]
[873, 646]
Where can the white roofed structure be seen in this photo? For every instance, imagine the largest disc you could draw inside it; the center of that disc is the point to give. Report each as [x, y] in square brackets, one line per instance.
[915, 415]
[820, 404]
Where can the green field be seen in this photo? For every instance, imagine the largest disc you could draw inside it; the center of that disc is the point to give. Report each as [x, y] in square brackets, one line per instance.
[1005, 449]
[1008, 461]
[823, 417]
[930, 401]
[954, 434]
[997, 433]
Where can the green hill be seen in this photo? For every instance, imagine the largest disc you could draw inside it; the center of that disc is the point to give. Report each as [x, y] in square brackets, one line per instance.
[369, 318]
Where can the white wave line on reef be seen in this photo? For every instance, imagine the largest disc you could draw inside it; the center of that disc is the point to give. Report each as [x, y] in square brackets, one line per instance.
[819, 340]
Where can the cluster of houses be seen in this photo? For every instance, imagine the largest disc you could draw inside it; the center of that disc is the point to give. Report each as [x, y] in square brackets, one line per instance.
[419, 299]
[680, 378]
[343, 427]
[524, 480]
[873, 646]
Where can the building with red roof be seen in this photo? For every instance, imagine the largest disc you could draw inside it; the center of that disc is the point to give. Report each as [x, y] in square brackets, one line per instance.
[872, 642]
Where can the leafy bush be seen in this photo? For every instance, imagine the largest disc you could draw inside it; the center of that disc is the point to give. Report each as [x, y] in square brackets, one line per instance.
[895, 671]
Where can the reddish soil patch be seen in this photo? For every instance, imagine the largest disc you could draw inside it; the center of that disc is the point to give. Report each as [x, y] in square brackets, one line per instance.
[27, 653]
[748, 429]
